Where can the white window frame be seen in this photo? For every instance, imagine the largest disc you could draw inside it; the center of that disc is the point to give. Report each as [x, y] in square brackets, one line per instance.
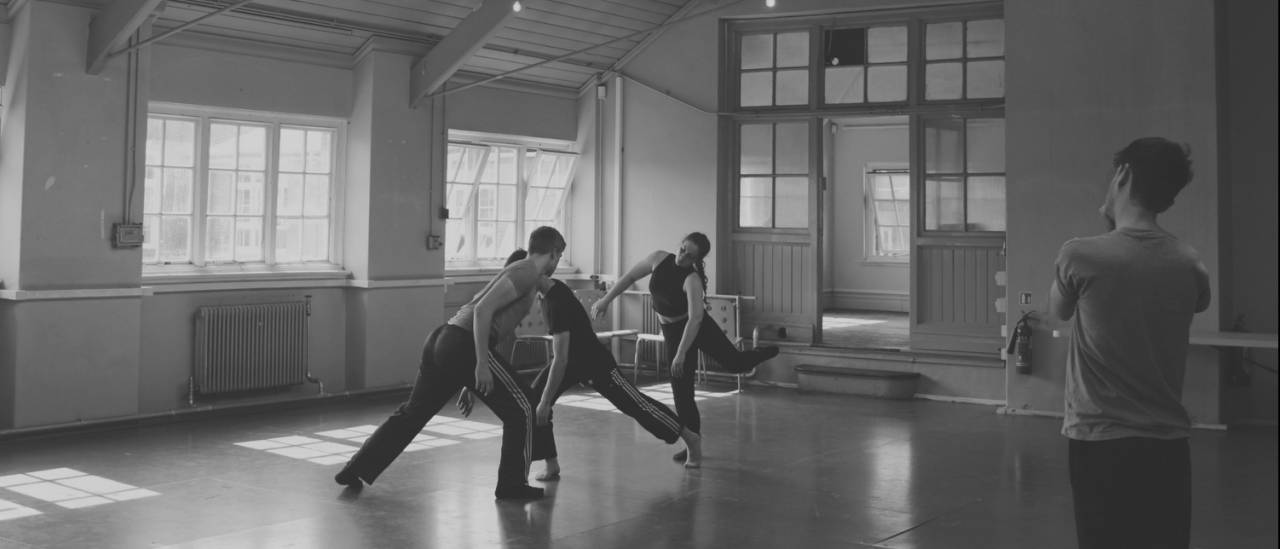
[870, 251]
[523, 146]
[204, 116]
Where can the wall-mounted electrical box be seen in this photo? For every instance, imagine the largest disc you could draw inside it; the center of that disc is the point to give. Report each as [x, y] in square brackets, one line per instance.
[126, 235]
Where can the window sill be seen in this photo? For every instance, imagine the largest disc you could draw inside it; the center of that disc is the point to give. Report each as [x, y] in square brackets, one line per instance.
[187, 278]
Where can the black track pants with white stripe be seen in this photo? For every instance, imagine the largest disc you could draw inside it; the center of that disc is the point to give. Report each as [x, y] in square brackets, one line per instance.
[448, 364]
[603, 374]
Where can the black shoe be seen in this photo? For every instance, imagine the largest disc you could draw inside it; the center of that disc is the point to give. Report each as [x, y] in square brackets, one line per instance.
[681, 456]
[348, 479]
[519, 492]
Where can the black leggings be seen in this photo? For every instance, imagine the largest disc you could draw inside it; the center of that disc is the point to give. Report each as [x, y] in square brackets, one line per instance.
[712, 341]
[605, 378]
[448, 364]
[1131, 493]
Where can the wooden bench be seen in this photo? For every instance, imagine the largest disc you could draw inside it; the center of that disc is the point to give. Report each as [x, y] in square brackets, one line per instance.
[857, 381]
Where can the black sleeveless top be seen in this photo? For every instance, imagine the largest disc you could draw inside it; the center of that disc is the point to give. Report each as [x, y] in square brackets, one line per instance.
[667, 287]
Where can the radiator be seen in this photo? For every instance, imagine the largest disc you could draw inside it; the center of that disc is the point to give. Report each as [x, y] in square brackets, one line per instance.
[650, 354]
[247, 347]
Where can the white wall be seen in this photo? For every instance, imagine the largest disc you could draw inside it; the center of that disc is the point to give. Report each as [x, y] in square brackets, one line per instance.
[853, 282]
[510, 112]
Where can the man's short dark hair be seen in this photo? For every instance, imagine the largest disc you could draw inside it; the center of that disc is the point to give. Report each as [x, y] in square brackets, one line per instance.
[544, 240]
[1158, 170]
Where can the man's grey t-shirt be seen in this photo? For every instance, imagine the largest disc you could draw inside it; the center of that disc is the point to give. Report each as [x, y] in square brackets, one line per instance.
[1135, 292]
[523, 275]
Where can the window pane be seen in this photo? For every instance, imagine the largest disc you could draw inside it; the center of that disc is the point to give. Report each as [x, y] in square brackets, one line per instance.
[457, 200]
[792, 202]
[985, 203]
[175, 238]
[506, 165]
[985, 38]
[986, 79]
[179, 143]
[507, 203]
[844, 47]
[288, 240]
[564, 170]
[756, 197]
[984, 145]
[249, 193]
[288, 194]
[248, 239]
[222, 146]
[756, 89]
[757, 148]
[176, 191]
[219, 233]
[292, 150]
[155, 141]
[942, 41]
[150, 249]
[550, 205]
[151, 191]
[843, 85]
[315, 240]
[486, 246]
[902, 187]
[470, 164]
[886, 212]
[222, 192]
[881, 187]
[793, 87]
[944, 146]
[943, 80]
[319, 151]
[757, 51]
[887, 83]
[454, 239]
[490, 172]
[943, 204]
[543, 166]
[793, 49]
[453, 160]
[487, 202]
[505, 239]
[901, 241]
[793, 148]
[886, 44]
[533, 202]
[253, 148]
[316, 202]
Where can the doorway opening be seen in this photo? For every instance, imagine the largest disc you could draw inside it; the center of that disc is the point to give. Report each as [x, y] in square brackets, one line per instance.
[866, 299]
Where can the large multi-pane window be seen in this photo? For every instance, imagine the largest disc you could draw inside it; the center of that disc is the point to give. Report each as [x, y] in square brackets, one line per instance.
[888, 213]
[964, 60]
[497, 194]
[224, 191]
[773, 175]
[774, 69]
[964, 187]
[865, 65]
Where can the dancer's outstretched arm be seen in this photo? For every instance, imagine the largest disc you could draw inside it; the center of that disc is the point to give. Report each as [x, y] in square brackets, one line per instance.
[559, 363]
[638, 271]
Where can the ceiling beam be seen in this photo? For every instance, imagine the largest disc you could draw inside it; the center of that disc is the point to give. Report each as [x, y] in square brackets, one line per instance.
[434, 69]
[113, 26]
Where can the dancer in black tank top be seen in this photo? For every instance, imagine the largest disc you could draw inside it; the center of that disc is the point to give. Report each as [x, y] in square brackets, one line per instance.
[678, 287]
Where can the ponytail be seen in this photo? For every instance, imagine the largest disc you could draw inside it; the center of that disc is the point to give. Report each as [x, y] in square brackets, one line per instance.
[521, 254]
[701, 268]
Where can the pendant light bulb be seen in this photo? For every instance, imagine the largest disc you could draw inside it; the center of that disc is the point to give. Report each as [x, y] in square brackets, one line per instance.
[770, 3]
[516, 7]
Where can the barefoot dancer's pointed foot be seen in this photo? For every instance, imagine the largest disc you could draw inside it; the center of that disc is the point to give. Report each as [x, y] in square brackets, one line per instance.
[680, 456]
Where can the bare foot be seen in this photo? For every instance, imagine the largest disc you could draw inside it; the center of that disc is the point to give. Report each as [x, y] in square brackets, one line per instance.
[552, 471]
[693, 442]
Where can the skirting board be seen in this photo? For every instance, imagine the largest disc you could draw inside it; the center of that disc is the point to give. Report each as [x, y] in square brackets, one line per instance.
[869, 300]
[1005, 410]
[961, 400]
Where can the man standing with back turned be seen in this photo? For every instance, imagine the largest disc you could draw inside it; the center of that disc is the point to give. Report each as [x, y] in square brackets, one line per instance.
[1133, 292]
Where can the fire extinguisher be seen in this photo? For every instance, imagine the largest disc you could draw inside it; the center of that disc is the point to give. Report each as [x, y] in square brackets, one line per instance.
[1020, 344]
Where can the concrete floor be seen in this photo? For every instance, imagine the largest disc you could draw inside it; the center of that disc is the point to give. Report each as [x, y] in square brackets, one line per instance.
[782, 469]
